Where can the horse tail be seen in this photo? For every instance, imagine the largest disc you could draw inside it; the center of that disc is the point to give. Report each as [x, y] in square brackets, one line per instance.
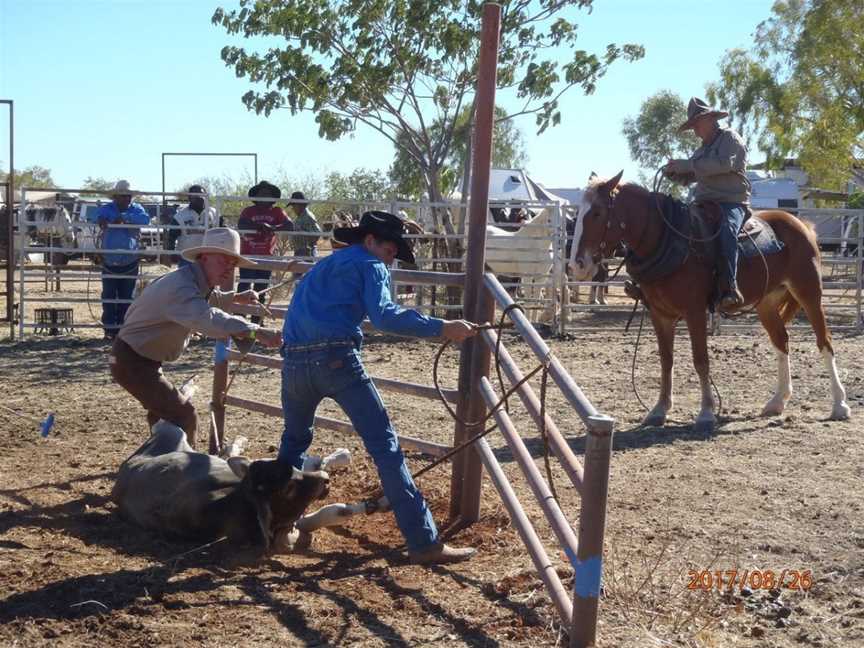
[788, 307]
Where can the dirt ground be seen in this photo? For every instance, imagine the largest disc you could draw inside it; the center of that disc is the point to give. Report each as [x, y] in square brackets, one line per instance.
[781, 493]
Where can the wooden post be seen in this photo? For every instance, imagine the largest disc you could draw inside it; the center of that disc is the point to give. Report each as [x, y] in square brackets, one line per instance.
[216, 424]
[10, 228]
[592, 526]
[216, 420]
[467, 468]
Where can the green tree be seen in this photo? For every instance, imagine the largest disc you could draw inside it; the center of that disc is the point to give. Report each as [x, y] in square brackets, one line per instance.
[508, 152]
[32, 176]
[98, 183]
[402, 66]
[360, 185]
[801, 87]
[653, 136]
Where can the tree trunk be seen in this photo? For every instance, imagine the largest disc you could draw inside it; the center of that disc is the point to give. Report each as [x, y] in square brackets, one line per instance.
[454, 247]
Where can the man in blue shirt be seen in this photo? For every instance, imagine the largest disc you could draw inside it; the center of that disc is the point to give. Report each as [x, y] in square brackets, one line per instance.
[120, 211]
[321, 348]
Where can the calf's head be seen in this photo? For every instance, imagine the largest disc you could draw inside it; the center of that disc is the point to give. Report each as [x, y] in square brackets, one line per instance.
[279, 493]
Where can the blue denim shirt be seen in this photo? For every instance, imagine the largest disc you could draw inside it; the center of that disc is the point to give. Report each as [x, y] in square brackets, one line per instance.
[339, 292]
[121, 238]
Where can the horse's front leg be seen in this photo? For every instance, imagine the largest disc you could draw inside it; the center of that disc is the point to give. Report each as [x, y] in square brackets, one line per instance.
[665, 329]
[706, 422]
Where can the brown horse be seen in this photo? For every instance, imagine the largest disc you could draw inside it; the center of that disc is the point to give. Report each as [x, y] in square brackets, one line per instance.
[613, 212]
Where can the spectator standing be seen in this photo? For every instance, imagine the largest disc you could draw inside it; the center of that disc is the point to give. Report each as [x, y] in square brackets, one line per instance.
[265, 219]
[304, 221]
[120, 268]
[191, 222]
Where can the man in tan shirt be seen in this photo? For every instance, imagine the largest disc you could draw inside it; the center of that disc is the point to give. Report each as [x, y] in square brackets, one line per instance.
[718, 168]
[160, 321]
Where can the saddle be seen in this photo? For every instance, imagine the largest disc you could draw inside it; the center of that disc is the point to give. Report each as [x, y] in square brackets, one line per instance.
[692, 230]
[755, 238]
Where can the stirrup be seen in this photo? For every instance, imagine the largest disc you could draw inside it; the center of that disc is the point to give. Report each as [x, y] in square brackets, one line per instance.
[633, 291]
[731, 299]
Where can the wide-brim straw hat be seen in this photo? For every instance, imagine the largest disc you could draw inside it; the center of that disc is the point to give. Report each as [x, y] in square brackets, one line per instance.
[122, 188]
[697, 109]
[384, 225]
[220, 240]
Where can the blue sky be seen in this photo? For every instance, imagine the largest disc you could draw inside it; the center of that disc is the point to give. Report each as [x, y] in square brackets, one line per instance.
[102, 88]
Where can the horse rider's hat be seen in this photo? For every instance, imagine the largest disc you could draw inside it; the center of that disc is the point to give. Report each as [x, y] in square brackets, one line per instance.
[298, 198]
[383, 225]
[266, 190]
[697, 109]
[220, 240]
[122, 188]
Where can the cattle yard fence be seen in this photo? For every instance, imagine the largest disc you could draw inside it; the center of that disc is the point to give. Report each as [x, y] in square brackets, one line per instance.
[549, 297]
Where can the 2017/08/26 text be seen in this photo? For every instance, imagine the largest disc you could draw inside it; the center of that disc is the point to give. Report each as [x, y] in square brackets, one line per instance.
[754, 579]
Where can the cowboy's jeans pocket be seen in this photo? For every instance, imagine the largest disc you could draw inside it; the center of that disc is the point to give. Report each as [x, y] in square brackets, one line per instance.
[340, 370]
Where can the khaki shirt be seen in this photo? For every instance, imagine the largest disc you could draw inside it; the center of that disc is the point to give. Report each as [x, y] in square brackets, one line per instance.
[719, 169]
[160, 320]
[305, 222]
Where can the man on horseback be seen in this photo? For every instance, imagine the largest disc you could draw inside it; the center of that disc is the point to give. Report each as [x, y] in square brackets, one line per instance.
[718, 168]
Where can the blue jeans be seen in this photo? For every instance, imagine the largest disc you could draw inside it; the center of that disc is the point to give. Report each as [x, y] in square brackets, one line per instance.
[309, 376]
[728, 240]
[114, 314]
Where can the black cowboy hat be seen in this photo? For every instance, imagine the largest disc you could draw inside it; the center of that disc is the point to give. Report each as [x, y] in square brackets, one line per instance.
[383, 225]
[696, 110]
[265, 187]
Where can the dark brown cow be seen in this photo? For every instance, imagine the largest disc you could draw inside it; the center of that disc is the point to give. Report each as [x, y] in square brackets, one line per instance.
[166, 486]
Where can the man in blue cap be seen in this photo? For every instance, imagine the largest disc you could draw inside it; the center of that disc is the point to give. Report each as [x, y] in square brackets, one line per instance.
[322, 340]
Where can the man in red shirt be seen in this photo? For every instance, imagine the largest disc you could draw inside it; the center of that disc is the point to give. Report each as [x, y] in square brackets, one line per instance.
[259, 224]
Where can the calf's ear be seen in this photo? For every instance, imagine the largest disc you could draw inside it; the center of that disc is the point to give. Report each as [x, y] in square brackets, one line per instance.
[239, 466]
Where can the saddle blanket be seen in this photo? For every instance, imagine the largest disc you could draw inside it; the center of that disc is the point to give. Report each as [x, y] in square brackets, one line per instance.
[758, 238]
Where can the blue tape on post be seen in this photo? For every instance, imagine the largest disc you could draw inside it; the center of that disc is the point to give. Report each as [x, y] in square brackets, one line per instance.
[220, 352]
[46, 425]
[587, 577]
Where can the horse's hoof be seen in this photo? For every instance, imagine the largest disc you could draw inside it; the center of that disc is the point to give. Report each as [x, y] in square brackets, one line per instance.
[840, 412]
[774, 407]
[654, 419]
[705, 426]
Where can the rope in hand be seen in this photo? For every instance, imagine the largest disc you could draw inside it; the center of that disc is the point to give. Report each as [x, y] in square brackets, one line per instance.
[268, 313]
[543, 366]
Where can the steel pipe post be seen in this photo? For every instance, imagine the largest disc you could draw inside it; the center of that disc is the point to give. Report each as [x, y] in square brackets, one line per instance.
[10, 226]
[465, 485]
[545, 568]
[565, 382]
[569, 461]
[588, 569]
[541, 490]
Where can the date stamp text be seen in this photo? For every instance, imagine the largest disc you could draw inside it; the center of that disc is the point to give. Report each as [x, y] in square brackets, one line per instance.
[753, 579]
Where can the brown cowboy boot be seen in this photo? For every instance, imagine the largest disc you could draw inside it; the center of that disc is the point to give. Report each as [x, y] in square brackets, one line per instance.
[730, 297]
[633, 291]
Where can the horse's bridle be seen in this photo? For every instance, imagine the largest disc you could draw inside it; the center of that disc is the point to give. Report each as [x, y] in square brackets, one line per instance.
[610, 207]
